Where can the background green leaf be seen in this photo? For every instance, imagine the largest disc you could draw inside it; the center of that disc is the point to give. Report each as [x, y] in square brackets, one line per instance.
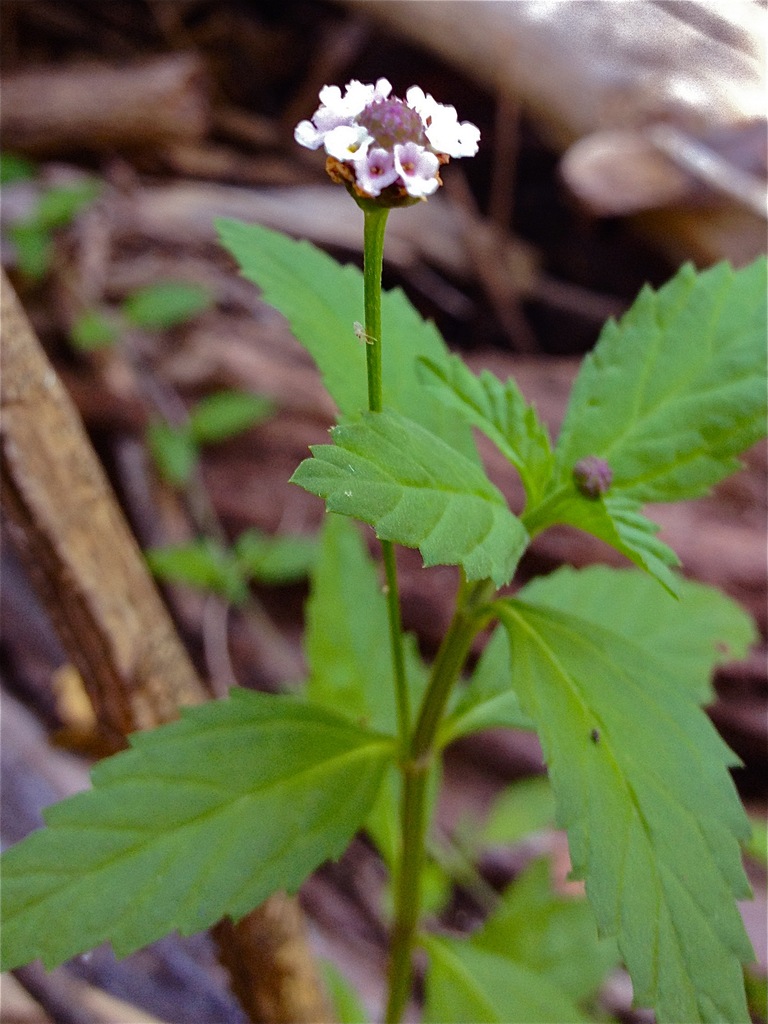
[468, 985]
[346, 1002]
[173, 450]
[349, 652]
[551, 934]
[94, 330]
[417, 491]
[488, 701]
[653, 819]
[60, 205]
[677, 388]
[203, 564]
[322, 301]
[202, 818]
[526, 806]
[283, 558]
[225, 414]
[166, 304]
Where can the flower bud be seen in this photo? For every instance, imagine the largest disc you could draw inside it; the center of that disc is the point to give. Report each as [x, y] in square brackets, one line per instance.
[592, 476]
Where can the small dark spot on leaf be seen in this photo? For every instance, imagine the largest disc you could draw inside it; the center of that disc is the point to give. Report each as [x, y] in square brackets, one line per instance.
[595, 736]
[722, 647]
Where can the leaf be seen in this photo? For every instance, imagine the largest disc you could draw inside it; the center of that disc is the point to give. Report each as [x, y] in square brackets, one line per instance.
[615, 520]
[166, 304]
[641, 782]
[347, 1005]
[347, 634]
[225, 414]
[174, 452]
[202, 818]
[283, 558]
[677, 388]
[524, 807]
[204, 564]
[488, 700]
[501, 412]
[59, 206]
[93, 330]
[322, 301]
[690, 636]
[417, 491]
[467, 985]
[34, 249]
[551, 934]
[15, 168]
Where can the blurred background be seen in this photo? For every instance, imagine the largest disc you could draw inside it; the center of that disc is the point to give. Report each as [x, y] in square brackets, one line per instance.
[618, 141]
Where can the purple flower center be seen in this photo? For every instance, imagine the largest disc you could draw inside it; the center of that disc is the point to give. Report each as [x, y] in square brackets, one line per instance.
[392, 122]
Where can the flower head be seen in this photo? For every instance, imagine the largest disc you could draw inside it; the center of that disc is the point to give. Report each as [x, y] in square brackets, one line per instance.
[377, 143]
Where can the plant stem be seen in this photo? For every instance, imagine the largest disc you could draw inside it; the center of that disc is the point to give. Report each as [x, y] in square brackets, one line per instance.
[467, 620]
[375, 226]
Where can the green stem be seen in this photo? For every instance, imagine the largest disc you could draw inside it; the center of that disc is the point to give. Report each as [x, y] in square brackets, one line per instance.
[467, 620]
[375, 226]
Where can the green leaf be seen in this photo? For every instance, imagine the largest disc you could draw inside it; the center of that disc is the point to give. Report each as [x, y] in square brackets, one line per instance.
[551, 934]
[204, 564]
[417, 491]
[488, 700]
[348, 651]
[347, 1005]
[467, 985]
[34, 249]
[202, 818]
[59, 206]
[616, 520]
[174, 452]
[526, 806]
[15, 168]
[225, 414]
[93, 330]
[641, 782]
[501, 412]
[677, 388]
[691, 636]
[322, 301]
[283, 558]
[166, 304]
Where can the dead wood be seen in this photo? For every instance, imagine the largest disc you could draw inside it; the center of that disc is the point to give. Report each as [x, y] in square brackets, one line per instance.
[89, 572]
[102, 107]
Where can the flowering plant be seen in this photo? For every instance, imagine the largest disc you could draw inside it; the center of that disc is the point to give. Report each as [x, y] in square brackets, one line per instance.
[210, 815]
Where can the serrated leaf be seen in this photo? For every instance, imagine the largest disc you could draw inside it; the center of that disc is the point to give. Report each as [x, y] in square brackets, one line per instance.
[691, 636]
[322, 301]
[203, 564]
[501, 412]
[283, 558]
[202, 818]
[174, 452]
[417, 491]
[225, 414]
[488, 700]
[677, 388]
[641, 782]
[166, 304]
[349, 652]
[551, 934]
[614, 519]
[467, 985]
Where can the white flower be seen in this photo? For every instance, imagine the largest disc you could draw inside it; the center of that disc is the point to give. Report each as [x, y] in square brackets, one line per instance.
[417, 168]
[381, 140]
[375, 171]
